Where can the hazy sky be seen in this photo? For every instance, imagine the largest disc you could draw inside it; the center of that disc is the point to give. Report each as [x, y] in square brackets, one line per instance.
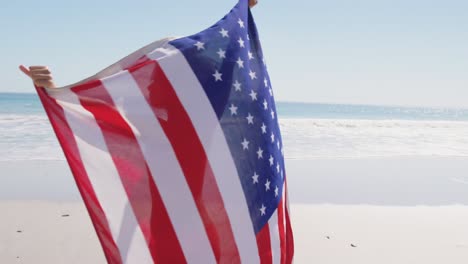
[399, 52]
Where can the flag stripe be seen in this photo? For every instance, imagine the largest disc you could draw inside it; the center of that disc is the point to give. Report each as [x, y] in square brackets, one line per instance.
[134, 174]
[282, 227]
[194, 163]
[289, 240]
[163, 165]
[264, 245]
[159, 147]
[204, 119]
[105, 180]
[289, 233]
[70, 147]
[274, 238]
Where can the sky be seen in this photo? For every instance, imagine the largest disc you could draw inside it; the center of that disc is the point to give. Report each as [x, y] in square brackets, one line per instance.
[399, 52]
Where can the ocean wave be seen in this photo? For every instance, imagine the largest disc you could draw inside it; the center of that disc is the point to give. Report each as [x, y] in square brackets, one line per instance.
[30, 137]
[27, 137]
[316, 138]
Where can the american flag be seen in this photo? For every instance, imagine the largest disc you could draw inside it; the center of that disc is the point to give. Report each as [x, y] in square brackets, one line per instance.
[177, 152]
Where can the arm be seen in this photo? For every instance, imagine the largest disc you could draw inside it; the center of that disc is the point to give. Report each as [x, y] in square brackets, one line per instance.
[40, 75]
[252, 3]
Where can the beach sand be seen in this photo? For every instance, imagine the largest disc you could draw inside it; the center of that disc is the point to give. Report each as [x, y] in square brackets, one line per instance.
[47, 232]
[379, 234]
[369, 210]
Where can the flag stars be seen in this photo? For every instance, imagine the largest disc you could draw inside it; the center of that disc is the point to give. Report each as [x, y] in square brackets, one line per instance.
[233, 109]
[260, 153]
[224, 33]
[265, 104]
[253, 75]
[217, 75]
[237, 85]
[250, 119]
[245, 144]
[264, 128]
[263, 210]
[241, 43]
[240, 63]
[245, 70]
[222, 54]
[253, 95]
[267, 185]
[200, 45]
[255, 178]
[241, 23]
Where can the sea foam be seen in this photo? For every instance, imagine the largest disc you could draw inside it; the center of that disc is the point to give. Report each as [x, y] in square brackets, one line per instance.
[30, 137]
[27, 137]
[319, 138]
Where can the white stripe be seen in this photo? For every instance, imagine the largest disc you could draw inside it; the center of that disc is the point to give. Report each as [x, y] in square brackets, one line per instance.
[105, 179]
[205, 121]
[286, 200]
[286, 205]
[275, 238]
[121, 64]
[284, 208]
[164, 167]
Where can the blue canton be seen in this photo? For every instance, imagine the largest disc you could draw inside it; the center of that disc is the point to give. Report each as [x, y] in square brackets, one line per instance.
[228, 61]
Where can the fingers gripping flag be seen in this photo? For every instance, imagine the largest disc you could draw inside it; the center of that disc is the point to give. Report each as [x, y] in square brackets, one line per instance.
[177, 151]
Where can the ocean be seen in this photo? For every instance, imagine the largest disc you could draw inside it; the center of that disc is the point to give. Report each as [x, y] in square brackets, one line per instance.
[309, 130]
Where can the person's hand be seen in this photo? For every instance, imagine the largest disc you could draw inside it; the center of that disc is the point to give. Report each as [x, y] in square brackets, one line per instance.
[40, 75]
[252, 3]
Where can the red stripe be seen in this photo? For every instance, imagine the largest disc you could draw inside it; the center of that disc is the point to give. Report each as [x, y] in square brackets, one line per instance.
[136, 178]
[264, 245]
[192, 159]
[281, 230]
[67, 141]
[289, 232]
